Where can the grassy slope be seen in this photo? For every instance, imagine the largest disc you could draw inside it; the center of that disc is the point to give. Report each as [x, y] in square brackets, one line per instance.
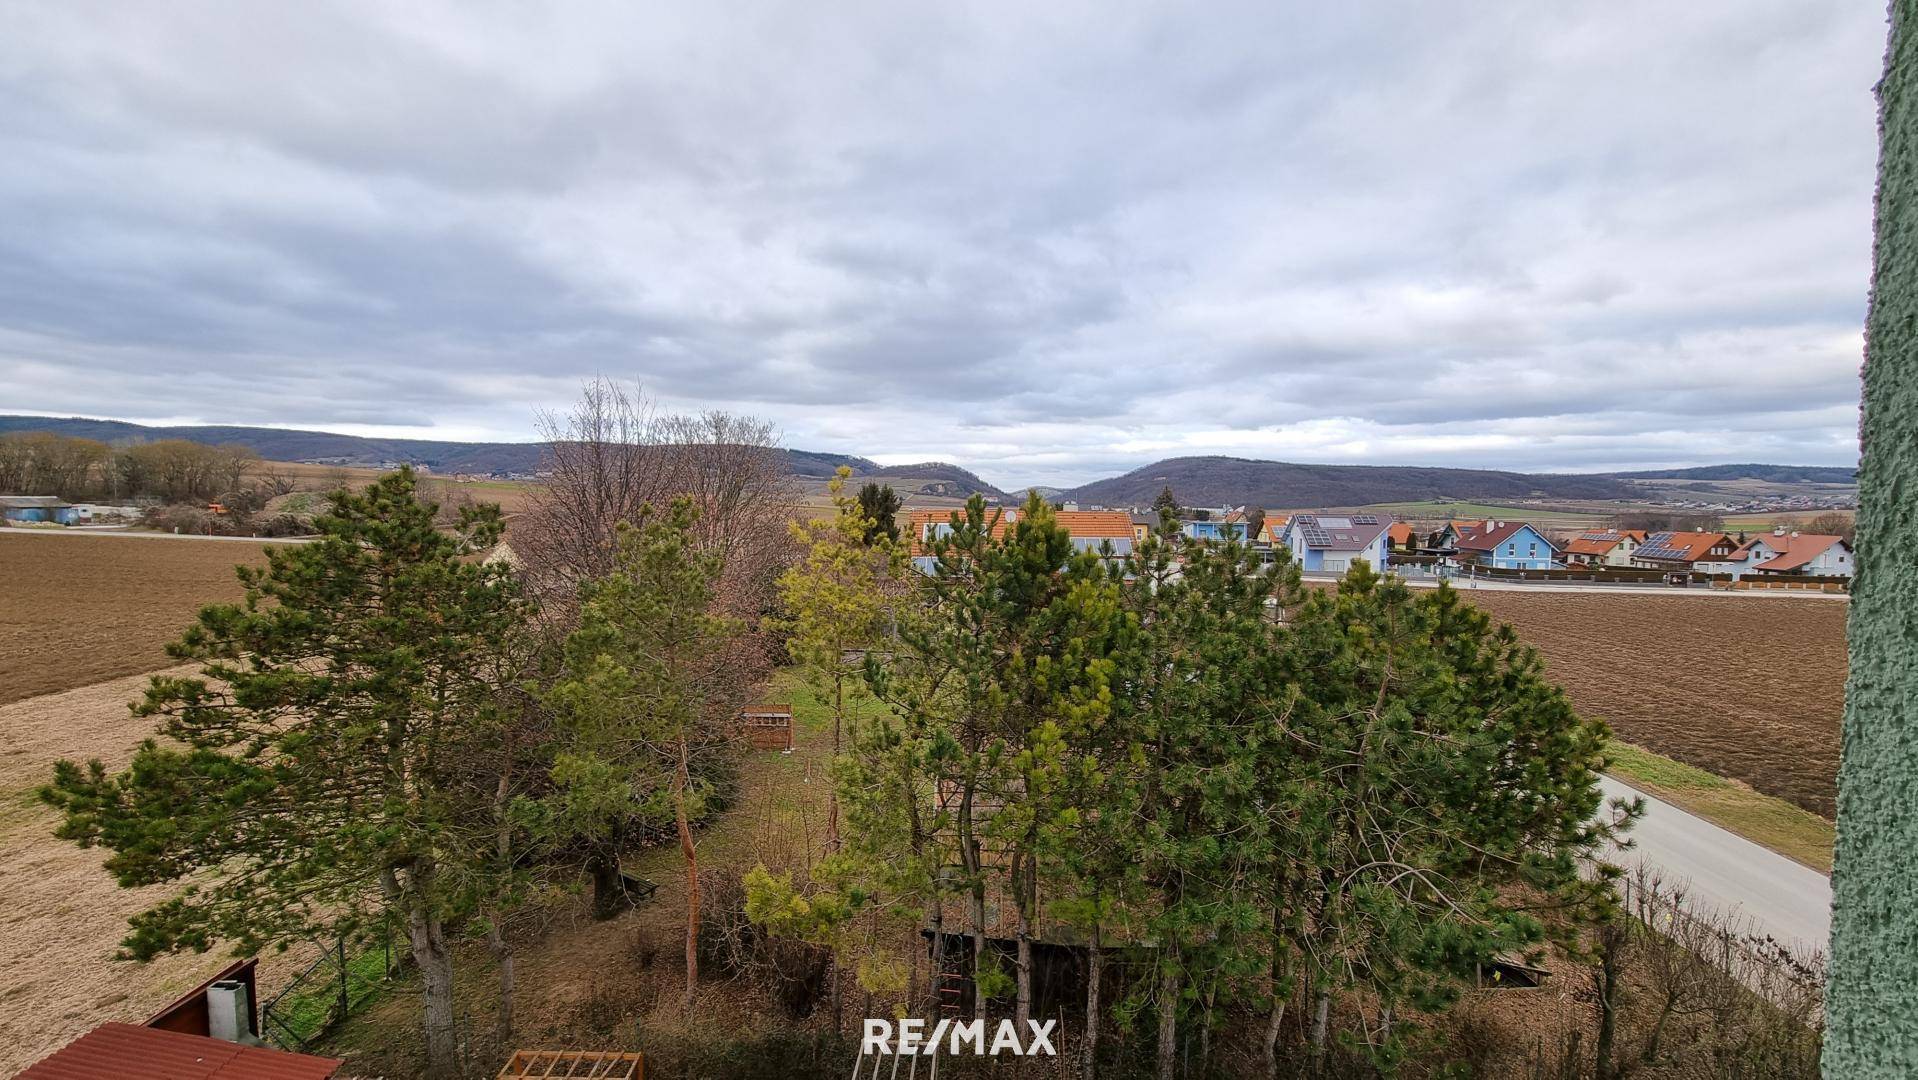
[1793, 832]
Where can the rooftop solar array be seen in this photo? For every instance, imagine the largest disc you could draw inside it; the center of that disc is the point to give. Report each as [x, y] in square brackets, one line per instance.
[1365, 519]
[1661, 546]
[1335, 523]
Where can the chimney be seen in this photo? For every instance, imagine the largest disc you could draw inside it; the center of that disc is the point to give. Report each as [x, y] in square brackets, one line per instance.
[229, 1011]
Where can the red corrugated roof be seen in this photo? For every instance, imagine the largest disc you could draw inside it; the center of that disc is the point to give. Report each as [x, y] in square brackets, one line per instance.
[129, 1052]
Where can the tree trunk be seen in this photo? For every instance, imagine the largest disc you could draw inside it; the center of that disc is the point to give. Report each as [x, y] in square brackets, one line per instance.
[609, 890]
[503, 956]
[976, 898]
[1275, 1020]
[1022, 1007]
[428, 945]
[682, 782]
[1095, 971]
[832, 790]
[1610, 939]
[976, 915]
[496, 925]
[1169, 986]
[936, 973]
[1321, 1015]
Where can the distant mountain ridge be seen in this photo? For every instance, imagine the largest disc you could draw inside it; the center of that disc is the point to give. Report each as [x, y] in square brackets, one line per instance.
[1776, 474]
[1231, 481]
[285, 444]
[1196, 481]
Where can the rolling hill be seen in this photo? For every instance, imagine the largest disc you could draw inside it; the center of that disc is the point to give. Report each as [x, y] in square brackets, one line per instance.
[1229, 481]
[1773, 474]
[282, 444]
[1196, 481]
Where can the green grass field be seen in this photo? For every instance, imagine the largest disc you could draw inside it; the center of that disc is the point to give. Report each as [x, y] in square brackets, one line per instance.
[1470, 510]
[1793, 832]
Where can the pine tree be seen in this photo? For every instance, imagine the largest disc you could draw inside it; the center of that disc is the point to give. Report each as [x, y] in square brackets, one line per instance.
[1423, 768]
[1168, 509]
[311, 782]
[837, 606]
[1195, 690]
[879, 505]
[640, 703]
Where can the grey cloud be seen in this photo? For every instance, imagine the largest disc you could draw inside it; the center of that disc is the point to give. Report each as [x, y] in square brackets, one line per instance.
[1049, 243]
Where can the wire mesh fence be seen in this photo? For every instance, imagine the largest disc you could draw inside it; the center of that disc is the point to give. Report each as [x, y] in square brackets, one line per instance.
[342, 979]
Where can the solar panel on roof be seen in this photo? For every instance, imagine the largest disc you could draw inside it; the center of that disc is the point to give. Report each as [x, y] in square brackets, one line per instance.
[1365, 519]
[1335, 523]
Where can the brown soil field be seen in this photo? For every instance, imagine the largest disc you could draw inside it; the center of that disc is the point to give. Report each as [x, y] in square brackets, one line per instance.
[82, 609]
[1750, 688]
[64, 916]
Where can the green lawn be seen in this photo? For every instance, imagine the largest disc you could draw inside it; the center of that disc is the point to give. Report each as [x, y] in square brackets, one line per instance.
[1793, 832]
[1470, 510]
[303, 1014]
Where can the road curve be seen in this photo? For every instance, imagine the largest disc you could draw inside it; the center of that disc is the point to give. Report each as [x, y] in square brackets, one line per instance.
[1726, 873]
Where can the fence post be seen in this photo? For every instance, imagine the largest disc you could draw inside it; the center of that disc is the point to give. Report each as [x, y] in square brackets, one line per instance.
[346, 1000]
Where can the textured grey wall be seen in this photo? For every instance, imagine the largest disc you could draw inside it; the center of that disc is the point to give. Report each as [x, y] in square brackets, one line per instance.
[1872, 1006]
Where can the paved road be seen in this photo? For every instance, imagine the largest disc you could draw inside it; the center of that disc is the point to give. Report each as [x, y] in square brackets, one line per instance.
[1730, 874]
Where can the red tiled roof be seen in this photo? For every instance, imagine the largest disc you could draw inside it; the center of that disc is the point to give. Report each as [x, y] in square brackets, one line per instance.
[1489, 539]
[1602, 543]
[1399, 534]
[1097, 524]
[129, 1052]
[1082, 524]
[1795, 550]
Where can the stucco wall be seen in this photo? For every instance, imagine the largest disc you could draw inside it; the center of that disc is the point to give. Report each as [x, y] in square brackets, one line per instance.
[1872, 1005]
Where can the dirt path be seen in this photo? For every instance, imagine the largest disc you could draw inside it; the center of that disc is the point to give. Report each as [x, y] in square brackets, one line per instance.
[63, 915]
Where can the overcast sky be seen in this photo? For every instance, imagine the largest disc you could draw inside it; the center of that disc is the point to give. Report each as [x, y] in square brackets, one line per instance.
[1046, 241]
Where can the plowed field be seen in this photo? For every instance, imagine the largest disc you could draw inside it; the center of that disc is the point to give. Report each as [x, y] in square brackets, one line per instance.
[76, 610]
[1750, 688]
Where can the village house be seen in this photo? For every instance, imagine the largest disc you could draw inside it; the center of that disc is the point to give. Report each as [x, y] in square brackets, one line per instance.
[1091, 530]
[1444, 541]
[1686, 551]
[1143, 526]
[1272, 530]
[1507, 545]
[1401, 538]
[1331, 542]
[1608, 547]
[1214, 530]
[1785, 552]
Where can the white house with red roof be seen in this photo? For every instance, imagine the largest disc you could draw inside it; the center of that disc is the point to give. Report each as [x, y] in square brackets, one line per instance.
[1605, 547]
[1786, 552]
[1684, 550]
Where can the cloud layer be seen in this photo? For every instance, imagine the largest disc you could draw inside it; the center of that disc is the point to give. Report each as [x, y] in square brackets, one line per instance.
[1049, 242]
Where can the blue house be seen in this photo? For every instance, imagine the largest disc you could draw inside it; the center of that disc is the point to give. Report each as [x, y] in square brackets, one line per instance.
[1507, 545]
[1214, 531]
[1331, 543]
